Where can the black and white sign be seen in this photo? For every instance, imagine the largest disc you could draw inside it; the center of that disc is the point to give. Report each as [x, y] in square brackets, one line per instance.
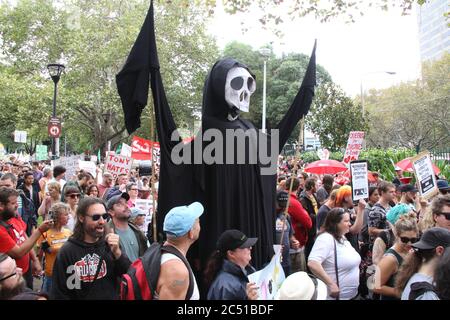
[360, 182]
[423, 169]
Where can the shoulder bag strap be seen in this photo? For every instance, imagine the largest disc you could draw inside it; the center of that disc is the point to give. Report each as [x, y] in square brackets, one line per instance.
[336, 266]
[174, 251]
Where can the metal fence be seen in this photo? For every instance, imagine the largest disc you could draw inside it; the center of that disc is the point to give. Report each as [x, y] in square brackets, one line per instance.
[440, 154]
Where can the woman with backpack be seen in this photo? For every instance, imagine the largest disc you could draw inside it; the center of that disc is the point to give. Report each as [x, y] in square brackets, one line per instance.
[416, 276]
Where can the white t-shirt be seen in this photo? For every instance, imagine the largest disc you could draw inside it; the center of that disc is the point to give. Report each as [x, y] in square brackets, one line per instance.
[348, 264]
[71, 222]
[169, 256]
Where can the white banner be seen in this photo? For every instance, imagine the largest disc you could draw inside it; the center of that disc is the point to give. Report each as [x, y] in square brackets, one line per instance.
[126, 150]
[20, 136]
[270, 278]
[360, 181]
[354, 146]
[117, 164]
[426, 179]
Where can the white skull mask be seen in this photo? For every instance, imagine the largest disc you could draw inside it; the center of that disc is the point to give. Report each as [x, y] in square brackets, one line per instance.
[239, 86]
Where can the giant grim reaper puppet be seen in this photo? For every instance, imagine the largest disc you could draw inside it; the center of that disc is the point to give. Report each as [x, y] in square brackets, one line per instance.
[235, 196]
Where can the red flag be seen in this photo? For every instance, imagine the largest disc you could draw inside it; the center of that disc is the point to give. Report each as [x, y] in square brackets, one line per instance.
[142, 148]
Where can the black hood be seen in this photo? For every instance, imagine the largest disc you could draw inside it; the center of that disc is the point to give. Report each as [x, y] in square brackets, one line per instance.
[214, 104]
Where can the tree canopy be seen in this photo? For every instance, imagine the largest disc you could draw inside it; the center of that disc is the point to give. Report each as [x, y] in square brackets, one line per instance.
[93, 39]
[414, 114]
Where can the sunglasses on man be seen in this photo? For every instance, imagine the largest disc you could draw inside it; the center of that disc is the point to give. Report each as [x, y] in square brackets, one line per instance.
[96, 217]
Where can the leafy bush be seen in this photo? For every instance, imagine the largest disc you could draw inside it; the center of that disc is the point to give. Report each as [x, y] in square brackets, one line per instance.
[444, 167]
[383, 160]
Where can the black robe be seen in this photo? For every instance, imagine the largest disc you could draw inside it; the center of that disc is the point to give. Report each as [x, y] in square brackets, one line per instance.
[234, 195]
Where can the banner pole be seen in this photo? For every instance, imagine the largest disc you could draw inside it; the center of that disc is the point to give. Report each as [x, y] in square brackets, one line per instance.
[152, 179]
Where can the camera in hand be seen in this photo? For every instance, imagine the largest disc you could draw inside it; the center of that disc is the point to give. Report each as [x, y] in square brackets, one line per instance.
[51, 215]
[45, 246]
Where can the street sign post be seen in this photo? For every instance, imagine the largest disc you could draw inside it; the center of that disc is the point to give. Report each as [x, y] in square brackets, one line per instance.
[54, 128]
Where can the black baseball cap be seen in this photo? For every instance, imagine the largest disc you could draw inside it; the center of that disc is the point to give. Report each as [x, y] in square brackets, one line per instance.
[433, 238]
[233, 239]
[408, 188]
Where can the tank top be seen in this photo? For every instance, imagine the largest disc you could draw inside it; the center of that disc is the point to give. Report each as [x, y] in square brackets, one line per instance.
[169, 256]
[391, 280]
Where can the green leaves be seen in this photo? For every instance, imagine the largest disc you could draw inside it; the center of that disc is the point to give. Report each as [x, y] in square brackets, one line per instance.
[333, 115]
[415, 114]
[93, 39]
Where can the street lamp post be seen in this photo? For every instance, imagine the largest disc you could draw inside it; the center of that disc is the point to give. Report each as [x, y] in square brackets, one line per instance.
[265, 52]
[55, 71]
[362, 91]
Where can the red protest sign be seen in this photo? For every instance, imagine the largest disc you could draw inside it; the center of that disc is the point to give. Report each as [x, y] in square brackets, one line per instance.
[141, 149]
[354, 146]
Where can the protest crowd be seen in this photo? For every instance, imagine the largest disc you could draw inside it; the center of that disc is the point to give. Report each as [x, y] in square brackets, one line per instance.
[391, 246]
[106, 229]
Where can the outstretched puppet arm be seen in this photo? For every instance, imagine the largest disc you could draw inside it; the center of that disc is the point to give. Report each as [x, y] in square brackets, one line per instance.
[302, 102]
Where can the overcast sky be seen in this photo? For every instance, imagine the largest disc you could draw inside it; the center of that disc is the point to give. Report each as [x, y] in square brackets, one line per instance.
[379, 41]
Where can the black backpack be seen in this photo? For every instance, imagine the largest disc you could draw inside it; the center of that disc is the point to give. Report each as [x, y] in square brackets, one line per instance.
[139, 283]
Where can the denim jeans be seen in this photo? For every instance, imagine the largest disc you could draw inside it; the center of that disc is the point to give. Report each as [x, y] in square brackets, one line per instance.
[47, 284]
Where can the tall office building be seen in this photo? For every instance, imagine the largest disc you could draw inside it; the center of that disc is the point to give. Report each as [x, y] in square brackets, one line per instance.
[434, 34]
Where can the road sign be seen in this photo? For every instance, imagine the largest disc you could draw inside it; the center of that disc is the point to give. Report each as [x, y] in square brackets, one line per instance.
[54, 128]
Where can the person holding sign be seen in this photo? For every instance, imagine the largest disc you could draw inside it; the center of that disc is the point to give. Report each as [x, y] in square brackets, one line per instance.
[227, 269]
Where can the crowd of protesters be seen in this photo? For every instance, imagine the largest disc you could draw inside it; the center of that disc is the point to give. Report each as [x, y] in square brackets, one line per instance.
[80, 234]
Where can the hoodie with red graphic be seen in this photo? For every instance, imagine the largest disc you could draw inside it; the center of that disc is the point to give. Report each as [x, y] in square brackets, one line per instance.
[75, 275]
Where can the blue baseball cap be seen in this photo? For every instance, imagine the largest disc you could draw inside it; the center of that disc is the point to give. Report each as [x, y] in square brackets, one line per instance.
[181, 219]
[442, 184]
[135, 212]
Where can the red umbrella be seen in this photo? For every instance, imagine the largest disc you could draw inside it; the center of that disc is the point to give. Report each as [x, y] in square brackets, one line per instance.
[325, 167]
[406, 165]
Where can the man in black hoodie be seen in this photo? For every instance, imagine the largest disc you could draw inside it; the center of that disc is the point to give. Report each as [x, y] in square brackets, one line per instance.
[90, 263]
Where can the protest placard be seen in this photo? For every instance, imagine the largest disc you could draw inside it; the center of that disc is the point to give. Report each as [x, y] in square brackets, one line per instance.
[360, 181]
[117, 164]
[142, 149]
[20, 136]
[41, 152]
[71, 165]
[270, 278]
[125, 150]
[354, 146]
[425, 177]
[88, 166]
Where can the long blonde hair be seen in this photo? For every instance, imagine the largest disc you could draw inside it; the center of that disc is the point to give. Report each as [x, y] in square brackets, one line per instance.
[427, 220]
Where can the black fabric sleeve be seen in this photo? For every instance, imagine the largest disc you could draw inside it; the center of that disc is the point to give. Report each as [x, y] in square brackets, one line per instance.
[121, 265]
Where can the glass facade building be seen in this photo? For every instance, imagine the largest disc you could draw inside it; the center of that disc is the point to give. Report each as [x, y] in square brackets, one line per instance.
[434, 34]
